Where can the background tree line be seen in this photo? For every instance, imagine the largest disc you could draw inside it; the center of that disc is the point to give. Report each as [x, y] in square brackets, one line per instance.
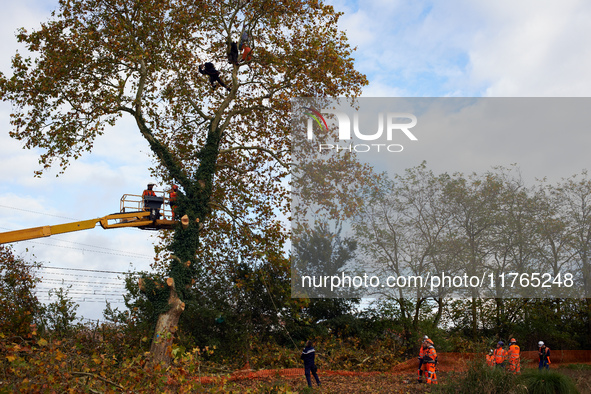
[493, 222]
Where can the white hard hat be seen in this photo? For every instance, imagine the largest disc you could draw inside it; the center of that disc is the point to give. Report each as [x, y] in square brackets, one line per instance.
[540, 344]
[425, 337]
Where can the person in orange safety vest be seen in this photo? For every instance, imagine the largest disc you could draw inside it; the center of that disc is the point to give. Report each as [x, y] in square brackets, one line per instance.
[490, 358]
[500, 355]
[429, 361]
[172, 197]
[148, 192]
[421, 354]
[513, 357]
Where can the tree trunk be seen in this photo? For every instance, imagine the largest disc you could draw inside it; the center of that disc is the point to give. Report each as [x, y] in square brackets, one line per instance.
[415, 321]
[474, 317]
[166, 327]
[588, 302]
[437, 318]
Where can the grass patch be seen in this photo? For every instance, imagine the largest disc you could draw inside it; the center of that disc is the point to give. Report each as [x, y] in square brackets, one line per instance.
[578, 367]
[480, 378]
[547, 382]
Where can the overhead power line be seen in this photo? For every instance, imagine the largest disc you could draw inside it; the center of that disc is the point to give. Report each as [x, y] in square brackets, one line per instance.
[136, 256]
[85, 270]
[101, 247]
[81, 283]
[39, 213]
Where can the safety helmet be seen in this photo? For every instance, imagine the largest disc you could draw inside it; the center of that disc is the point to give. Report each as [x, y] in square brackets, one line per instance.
[491, 351]
[501, 343]
[425, 338]
[430, 342]
[151, 184]
[175, 187]
[540, 344]
[512, 340]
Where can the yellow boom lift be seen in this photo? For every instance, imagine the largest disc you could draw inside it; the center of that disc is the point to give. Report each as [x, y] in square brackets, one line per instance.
[148, 213]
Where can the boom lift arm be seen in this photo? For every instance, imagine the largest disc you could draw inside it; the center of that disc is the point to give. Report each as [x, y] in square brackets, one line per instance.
[149, 218]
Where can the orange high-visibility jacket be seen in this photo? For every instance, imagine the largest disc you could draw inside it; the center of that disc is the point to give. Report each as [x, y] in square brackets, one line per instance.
[430, 355]
[421, 352]
[148, 193]
[500, 355]
[513, 354]
[490, 360]
[172, 198]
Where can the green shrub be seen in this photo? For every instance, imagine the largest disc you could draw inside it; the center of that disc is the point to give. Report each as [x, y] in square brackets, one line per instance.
[547, 382]
[482, 379]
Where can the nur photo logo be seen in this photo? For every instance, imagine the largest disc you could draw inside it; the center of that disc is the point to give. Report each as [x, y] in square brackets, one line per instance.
[392, 124]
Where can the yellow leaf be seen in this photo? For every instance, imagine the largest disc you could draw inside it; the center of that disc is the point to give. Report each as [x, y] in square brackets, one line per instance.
[10, 358]
[59, 356]
[42, 342]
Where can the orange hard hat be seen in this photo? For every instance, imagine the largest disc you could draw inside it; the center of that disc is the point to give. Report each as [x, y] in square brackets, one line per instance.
[430, 342]
[512, 340]
[175, 187]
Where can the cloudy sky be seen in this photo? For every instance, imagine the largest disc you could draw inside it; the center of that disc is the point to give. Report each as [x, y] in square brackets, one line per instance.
[456, 48]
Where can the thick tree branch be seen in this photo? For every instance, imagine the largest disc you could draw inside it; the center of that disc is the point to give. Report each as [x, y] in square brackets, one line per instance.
[238, 170]
[161, 151]
[99, 378]
[270, 152]
[235, 217]
[140, 87]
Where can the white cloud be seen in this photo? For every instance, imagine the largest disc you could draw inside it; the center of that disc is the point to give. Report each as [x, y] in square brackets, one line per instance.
[541, 49]
[467, 48]
[90, 188]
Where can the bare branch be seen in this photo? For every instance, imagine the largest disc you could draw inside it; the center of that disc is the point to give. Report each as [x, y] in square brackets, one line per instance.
[238, 170]
[270, 152]
[231, 214]
[99, 378]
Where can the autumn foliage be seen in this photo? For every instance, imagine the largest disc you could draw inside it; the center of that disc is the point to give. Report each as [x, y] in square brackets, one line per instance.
[19, 306]
[97, 61]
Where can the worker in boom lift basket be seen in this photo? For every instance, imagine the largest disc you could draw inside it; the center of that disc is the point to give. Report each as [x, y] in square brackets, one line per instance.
[172, 199]
[149, 192]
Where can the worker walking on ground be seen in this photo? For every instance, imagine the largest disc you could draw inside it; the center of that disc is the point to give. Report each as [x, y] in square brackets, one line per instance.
[500, 355]
[513, 357]
[421, 354]
[430, 361]
[308, 356]
[544, 353]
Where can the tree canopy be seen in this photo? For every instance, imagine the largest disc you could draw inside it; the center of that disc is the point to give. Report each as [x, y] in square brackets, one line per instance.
[96, 61]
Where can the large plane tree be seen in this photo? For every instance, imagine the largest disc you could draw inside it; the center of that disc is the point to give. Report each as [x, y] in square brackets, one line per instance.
[97, 61]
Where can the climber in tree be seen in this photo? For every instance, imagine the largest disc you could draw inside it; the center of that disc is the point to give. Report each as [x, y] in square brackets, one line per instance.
[244, 45]
[213, 74]
[233, 54]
